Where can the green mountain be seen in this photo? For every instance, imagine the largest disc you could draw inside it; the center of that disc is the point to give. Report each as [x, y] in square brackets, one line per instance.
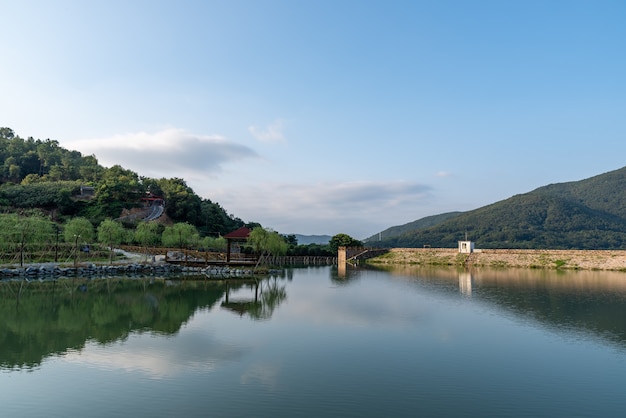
[585, 214]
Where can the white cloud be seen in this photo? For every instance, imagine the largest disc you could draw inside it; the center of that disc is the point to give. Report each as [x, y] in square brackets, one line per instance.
[443, 174]
[159, 357]
[356, 208]
[167, 153]
[271, 133]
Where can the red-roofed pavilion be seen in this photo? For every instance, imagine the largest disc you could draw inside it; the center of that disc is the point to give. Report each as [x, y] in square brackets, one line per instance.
[240, 234]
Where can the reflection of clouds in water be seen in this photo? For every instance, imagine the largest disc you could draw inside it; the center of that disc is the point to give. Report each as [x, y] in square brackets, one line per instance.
[264, 374]
[361, 306]
[158, 356]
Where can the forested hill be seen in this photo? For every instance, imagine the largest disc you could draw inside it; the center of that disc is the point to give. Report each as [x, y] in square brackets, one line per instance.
[41, 175]
[585, 214]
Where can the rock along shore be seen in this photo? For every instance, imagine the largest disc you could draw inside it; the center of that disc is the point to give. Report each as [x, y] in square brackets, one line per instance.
[52, 271]
[613, 260]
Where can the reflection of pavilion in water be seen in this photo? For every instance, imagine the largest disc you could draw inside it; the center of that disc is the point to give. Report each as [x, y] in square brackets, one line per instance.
[466, 280]
[268, 294]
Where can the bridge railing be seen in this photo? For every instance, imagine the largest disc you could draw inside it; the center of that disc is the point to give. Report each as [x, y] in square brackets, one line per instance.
[363, 253]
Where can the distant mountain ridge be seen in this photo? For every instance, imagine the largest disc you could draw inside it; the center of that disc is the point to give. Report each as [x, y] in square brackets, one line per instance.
[585, 214]
[412, 226]
[313, 239]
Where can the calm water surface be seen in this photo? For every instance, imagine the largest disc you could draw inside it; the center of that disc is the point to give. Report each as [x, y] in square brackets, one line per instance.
[406, 342]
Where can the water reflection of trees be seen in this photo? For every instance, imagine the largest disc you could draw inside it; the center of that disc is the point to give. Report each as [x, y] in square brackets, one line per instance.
[40, 319]
[267, 295]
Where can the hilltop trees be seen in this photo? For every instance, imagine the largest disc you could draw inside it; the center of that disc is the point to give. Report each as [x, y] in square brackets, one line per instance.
[215, 220]
[183, 205]
[120, 185]
[343, 240]
[47, 160]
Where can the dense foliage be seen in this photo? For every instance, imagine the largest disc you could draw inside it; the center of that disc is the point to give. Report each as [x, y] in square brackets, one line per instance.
[265, 241]
[343, 240]
[587, 214]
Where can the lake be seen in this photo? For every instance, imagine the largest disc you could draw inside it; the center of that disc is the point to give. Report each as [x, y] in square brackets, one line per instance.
[403, 342]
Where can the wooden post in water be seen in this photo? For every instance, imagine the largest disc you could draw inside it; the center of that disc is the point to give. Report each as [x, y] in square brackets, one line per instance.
[341, 262]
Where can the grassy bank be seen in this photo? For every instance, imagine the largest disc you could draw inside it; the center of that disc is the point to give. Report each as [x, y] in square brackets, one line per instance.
[613, 260]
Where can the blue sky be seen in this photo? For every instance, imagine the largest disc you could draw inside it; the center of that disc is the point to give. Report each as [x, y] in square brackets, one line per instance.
[326, 116]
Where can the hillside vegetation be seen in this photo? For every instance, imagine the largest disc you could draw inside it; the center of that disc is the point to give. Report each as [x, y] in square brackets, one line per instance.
[40, 175]
[585, 214]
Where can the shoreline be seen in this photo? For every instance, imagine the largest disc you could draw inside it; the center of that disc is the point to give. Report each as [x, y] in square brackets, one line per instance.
[53, 271]
[607, 260]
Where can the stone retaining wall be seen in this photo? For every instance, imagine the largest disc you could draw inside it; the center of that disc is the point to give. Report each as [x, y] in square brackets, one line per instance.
[53, 271]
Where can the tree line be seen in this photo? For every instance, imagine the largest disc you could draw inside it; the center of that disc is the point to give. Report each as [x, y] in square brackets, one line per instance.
[31, 237]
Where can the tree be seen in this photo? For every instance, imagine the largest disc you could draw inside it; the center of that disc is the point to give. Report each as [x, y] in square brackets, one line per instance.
[152, 186]
[25, 230]
[118, 188]
[291, 239]
[266, 242]
[343, 240]
[78, 229]
[90, 170]
[147, 234]
[183, 205]
[110, 233]
[6, 133]
[216, 220]
[179, 235]
[219, 244]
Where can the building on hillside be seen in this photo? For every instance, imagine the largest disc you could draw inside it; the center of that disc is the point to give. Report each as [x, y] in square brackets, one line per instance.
[151, 199]
[87, 191]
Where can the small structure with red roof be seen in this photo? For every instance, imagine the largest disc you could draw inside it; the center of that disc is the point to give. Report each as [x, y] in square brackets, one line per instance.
[238, 235]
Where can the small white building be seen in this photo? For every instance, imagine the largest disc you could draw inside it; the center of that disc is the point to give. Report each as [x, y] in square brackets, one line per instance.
[466, 247]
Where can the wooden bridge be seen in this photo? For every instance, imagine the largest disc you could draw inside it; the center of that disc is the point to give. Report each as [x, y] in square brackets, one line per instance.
[356, 254]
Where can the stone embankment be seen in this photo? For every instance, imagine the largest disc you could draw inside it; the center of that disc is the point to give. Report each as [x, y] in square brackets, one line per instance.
[53, 271]
[613, 260]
